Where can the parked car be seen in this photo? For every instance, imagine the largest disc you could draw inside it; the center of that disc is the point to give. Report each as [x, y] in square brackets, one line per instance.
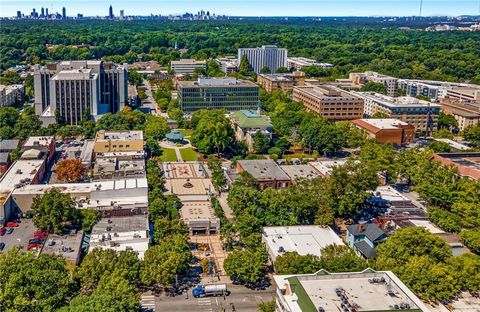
[36, 241]
[2, 231]
[9, 230]
[12, 224]
[33, 246]
[39, 235]
[2, 245]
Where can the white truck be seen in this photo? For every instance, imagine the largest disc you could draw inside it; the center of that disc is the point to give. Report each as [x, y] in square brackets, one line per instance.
[210, 290]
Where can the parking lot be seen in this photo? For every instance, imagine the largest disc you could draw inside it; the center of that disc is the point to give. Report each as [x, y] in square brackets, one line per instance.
[20, 235]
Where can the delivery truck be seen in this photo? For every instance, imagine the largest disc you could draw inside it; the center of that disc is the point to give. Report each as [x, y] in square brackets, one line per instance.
[210, 290]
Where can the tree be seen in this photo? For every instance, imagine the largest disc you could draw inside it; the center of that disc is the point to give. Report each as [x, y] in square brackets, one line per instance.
[261, 143]
[156, 127]
[89, 218]
[439, 147]
[153, 148]
[218, 177]
[472, 134]
[335, 258]
[282, 70]
[244, 68]
[447, 121]
[246, 266]
[10, 77]
[443, 133]
[71, 170]
[165, 261]
[165, 229]
[268, 306]
[96, 263]
[471, 239]
[374, 87]
[213, 133]
[265, 70]
[380, 115]
[354, 137]
[54, 210]
[31, 283]
[214, 70]
[321, 135]
[293, 263]
[134, 78]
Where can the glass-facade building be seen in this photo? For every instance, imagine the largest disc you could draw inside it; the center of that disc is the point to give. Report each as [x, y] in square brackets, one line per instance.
[229, 94]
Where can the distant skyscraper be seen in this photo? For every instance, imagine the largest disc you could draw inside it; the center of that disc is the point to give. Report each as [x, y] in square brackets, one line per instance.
[46, 13]
[267, 56]
[110, 13]
[19, 14]
[64, 13]
[121, 13]
[42, 12]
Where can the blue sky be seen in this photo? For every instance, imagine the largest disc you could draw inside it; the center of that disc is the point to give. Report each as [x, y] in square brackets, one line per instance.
[250, 7]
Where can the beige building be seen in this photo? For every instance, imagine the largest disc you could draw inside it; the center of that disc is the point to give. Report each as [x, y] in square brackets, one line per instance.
[361, 78]
[329, 102]
[284, 82]
[423, 115]
[118, 141]
[187, 66]
[466, 115]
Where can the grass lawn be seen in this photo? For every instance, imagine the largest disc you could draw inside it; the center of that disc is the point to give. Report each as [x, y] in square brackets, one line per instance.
[186, 132]
[188, 154]
[168, 154]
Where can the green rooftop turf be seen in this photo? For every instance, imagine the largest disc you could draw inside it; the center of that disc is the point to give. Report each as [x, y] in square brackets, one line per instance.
[259, 121]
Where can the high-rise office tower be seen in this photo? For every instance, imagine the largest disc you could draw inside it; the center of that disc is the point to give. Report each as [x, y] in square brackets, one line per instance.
[110, 13]
[267, 56]
[64, 13]
[42, 12]
[121, 14]
[71, 90]
[46, 13]
[19, 14]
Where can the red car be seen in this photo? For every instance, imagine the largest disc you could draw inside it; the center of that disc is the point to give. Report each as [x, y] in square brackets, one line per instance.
[12, 224]
[39, 235]
[2, 231]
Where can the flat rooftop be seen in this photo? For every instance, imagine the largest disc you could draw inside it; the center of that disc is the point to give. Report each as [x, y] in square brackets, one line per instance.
[121, 224]
[305, 240]
[323, 92]
[454, 144]
[216, 82]
[396, 102]
[325, 167]
[75, 74]
[386, 123]
[263, 169]
[470, 160]
[197, 210]
[296, 172]
[188, 62]
[119, 135]
[390, 194]
[362, 291]
[23, 171]
[67, 245]
[38, 140]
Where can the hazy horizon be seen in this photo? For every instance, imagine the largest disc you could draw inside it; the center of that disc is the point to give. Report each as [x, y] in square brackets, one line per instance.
[267, 8]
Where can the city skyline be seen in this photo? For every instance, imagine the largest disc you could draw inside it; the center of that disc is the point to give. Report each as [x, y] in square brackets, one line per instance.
[251, 8]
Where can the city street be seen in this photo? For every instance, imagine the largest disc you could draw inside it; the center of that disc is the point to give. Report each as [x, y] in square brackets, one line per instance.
[240, 299]
[149, 102]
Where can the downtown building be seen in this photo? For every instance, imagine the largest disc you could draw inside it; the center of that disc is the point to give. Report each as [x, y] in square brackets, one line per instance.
[267, 56]
[218, 93]
[70, 90]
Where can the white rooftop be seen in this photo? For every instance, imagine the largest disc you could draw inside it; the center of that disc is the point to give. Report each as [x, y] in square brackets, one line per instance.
[454, 144]
[390, 194]
[305, 239]
[22, 171]
[325, 167]
[401, 101]
[386, 123]
[38, 140]
[429, 226]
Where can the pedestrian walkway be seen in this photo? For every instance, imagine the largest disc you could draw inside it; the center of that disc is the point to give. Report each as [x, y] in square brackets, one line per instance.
[204, 304]
[179, 155]
[147, 302]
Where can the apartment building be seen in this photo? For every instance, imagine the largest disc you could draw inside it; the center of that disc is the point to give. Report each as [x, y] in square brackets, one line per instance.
[296, 63]
[436, 90]
[227, 64]
[423, 115]
[73, 89]
[118, 141]
[389, 82]
[466, 115]
[11, 95]
[217, 93]
[329, 102]
[392, 131]
[187, 66]
[284, 82]
[266, 56]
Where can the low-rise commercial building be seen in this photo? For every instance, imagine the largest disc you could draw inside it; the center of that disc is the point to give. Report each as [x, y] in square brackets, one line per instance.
[227, 64]
[114, 165]
[12, 95]
[465, 115]
[296, 63]
[118, 141]
[121, 233]
[437, 90]
[284, 82]
[187, 66]
[6, 148]
[218, 93]
[389, 82]
[266, 172]
[322, 291]
[392, 131]
[246, 123]
[299, 172]
[44, 144]
[423, 115]
[68, 245]
[329, 102]
[304, 239]
[325, 167]
[467, 163]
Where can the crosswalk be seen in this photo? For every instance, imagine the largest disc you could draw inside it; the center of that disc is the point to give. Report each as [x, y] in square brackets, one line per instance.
[148, 303]
[204, 304]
